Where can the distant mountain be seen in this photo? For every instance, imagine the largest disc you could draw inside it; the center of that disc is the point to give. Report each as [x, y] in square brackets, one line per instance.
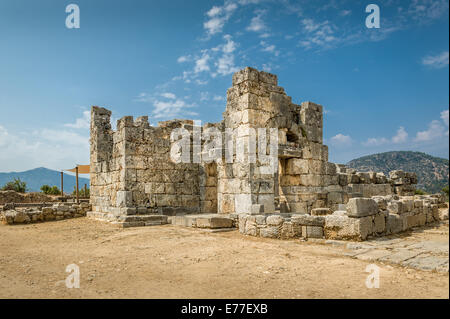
[432, 172]
[37, 177]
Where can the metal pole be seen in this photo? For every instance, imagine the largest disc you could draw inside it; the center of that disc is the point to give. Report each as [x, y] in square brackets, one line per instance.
[85, 190]
[78, 196]
[62, 183]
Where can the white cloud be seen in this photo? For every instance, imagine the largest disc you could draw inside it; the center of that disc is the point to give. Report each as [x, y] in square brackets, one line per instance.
[345, 12]
[230, 45]
[401, 136]
[341, 140]
[266, 67]
[218, 98]
[435, 130]
[244, 2]
[143, 97]
[225, 65]
[437, 61]
[376, 141]
[257, 24]
[82, 122]
[171, 109]
[169, 95]
[218, 16]
[201, 64]
[214, 11]
[426, 10]
[62, 136]
[444, 116]
[218, 60]
[183, 59]
[269, 48]
[318, 34]
[52, 148]
[214, 25]
[201, 82]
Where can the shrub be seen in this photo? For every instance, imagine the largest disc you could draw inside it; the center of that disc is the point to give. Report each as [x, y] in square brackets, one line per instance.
[49, 190]
[15, 185]
[419, 192]
[81, 192]
[445, 190]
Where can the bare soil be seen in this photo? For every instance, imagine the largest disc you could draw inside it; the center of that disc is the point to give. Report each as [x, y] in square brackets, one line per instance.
[175, 262]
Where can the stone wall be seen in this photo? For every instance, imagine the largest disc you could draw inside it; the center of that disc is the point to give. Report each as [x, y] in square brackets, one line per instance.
[362, 219]
[132, 172]
[57, 211]
[15, 197]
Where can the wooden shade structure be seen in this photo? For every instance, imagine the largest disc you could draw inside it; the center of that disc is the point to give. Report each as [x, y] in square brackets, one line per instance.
[79, 169]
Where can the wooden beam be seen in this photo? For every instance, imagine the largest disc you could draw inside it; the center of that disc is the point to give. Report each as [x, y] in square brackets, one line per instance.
[78, 195]
[62, 183]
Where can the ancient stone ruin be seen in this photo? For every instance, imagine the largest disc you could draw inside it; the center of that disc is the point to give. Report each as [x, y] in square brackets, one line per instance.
[136, 182]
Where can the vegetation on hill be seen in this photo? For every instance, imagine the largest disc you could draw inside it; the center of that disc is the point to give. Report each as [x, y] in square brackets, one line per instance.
[432, 172]
[50, 190]
[15, 185]
[37, 177]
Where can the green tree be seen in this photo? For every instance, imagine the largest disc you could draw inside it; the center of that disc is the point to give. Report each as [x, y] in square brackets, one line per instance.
[420, 192]
[15, 185]
[445, 190]
[49, 190]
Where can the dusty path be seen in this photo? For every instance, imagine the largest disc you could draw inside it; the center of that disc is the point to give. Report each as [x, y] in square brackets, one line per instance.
[174, 262]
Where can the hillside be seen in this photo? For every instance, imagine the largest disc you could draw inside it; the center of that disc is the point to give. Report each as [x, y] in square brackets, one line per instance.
[37, 177]
[432, 172]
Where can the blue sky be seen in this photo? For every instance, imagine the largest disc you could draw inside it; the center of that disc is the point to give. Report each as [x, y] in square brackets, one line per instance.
[382, 89]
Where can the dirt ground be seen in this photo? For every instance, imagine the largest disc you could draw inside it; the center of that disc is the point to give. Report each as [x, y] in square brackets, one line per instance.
[175, 262]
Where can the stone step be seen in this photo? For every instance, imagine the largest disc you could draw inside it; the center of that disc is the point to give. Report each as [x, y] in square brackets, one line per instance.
[208, 221]
[144, 218]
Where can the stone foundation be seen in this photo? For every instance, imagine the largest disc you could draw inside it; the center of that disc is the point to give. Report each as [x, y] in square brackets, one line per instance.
[363, 218]
[42, 214]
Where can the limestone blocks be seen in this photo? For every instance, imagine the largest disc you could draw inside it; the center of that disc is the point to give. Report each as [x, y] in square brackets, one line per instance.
[33, 215]
[361, 207]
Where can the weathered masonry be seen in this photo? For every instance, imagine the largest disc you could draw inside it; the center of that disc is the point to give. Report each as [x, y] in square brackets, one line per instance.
[134, 182]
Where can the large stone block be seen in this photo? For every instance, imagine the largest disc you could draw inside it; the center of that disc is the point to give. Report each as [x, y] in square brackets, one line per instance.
[243, 203]
[308, 220]
[381, 202]
[124, 198]
[361, 207]
[312, 231]
[346, 228]
[297, 166]
[214, 222]
[395, 224]
[395, 207]
[379, 222]
[270, 231]
[274, 220]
